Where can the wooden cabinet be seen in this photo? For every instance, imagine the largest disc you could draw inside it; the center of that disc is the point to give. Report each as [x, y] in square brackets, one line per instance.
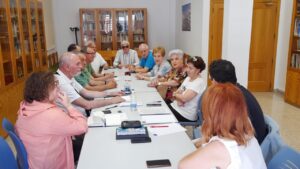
[109, 27]
[292, 89]
[22, 50]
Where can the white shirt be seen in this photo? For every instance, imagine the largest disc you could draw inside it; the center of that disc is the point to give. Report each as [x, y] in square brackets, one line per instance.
[98, 62]
[131, 58]
[71, 87]
[188, 110]
[245, 157]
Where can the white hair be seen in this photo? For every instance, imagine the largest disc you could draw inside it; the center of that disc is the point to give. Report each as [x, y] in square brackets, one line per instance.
[177, 52]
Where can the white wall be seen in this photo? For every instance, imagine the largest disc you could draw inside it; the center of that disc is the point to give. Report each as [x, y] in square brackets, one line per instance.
[237, 36]
[161, 19]
[48, 23]
[283, 44]
[194, 42]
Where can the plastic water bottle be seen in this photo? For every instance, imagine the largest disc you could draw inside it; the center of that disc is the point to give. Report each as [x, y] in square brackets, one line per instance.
[133, 103]
[127, 87]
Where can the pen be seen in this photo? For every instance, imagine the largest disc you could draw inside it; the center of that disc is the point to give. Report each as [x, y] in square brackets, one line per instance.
[111, 107]
[158, 126]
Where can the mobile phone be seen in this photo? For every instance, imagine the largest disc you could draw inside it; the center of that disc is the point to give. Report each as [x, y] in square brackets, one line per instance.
[158, 163]
[140, 140]
[153, 104]
[107, 111]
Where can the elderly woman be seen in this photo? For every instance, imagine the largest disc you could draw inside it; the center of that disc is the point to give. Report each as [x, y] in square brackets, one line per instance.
[161, 68]
[46, 129]
[228, 136]
[186, 97]
[169, 83]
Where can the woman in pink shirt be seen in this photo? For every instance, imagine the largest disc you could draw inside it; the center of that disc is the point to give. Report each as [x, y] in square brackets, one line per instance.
[46, 129]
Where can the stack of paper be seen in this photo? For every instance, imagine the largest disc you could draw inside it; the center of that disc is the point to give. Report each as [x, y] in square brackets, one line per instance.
[96, 119]
[115, 119]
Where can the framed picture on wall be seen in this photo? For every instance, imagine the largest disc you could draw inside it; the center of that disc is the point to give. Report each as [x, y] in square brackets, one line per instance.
[186, 17]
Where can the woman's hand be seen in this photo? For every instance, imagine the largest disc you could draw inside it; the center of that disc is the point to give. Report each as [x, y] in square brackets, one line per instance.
[139, 76]
[63, 99]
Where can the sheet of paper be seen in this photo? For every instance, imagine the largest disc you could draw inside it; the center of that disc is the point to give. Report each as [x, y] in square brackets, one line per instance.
[126, 98]
[153, 111]
[153, 119]
[165, 129]
[96, 119]
[127, 104]
[115, 119]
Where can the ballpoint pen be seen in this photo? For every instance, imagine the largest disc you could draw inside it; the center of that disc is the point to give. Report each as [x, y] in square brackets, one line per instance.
[158, 126]
[111, 107]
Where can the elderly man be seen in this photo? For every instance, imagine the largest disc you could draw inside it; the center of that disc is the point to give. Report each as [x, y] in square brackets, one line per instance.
[98, 63]
[70, 66]
[147, 61]
[126, 57]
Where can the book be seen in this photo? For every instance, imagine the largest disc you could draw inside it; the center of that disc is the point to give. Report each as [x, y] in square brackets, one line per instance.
[129, 133]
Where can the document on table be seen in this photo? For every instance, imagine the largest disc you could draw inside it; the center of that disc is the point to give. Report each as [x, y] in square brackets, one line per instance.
[96, 119]
[127, 104]
[115, 119]
[156, 119]
[165, 129]
[153, 111]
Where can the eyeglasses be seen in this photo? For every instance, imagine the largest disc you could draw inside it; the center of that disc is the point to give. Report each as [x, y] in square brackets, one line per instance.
[91, 53]
[125, 47]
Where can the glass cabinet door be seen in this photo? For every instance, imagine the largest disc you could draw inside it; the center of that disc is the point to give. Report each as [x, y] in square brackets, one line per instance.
[105, 26]
[34, 34]
[88, 26]
[121, 26]
[138, 29]
[26, 42]
[42, 33]
[5, 47]
[16, 37]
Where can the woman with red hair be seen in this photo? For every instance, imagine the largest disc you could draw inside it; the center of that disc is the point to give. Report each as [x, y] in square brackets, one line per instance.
[228, 140]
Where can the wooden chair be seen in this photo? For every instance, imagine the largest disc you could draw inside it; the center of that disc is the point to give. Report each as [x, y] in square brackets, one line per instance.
[108, 55]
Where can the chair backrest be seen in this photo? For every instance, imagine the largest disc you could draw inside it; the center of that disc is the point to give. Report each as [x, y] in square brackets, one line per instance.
[21, 151]
[7, 125]
[7, 159]
[272, 142]
[286, 158]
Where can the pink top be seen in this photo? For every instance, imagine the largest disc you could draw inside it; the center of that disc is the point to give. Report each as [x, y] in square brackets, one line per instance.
[46, 131]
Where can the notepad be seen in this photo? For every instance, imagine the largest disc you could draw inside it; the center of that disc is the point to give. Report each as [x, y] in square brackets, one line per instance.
[115, 119]
[156, 119]
[96, 119]
[170, 128]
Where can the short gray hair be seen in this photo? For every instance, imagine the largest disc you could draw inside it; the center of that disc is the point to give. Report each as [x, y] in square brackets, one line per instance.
[177, 52]
[124, 43]
[65, 58]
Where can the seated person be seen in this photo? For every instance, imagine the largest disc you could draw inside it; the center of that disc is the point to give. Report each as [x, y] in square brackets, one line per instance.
[90, 55]
[44, 128]
[187, 96]
[74, 48]
[227, 134]
[147, 60]
[86, 80]
[69, 66]
[223, 71]
[98, 63]
[169, 83]
[161, 67]
[126, 57]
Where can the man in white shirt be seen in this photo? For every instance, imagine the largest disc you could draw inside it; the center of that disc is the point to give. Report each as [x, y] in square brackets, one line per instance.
[126, 57]
[70, 66]
[99, 61]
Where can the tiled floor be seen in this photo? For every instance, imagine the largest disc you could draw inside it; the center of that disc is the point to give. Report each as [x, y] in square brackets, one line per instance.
[286, 115]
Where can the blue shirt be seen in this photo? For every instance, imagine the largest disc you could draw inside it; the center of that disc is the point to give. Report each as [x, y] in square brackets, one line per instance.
[148, 62]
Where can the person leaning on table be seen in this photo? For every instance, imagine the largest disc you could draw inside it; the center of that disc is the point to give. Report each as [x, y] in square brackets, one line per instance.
[227, 134]
[126, 57]
[169, 83]
[147, 60]
[70, 66]
[44, 128]
[161, 67]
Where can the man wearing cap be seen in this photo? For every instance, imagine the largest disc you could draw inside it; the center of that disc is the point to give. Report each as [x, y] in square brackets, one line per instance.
[126, 57]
